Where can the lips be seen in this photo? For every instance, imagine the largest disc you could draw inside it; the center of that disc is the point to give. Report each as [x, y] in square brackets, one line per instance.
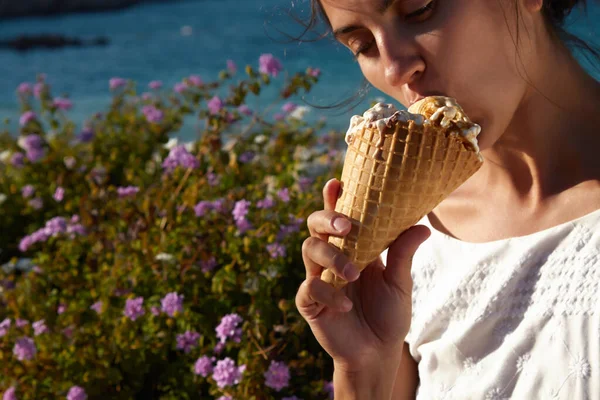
[413, 96]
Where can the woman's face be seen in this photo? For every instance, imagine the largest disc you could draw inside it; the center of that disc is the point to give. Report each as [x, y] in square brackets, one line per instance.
[464, 49]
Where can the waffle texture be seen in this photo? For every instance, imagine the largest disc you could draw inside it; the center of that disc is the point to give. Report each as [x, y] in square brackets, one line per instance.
[389, 183]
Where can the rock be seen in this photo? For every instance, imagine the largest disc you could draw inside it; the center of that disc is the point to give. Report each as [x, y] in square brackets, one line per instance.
[49, 41]
[20, 8]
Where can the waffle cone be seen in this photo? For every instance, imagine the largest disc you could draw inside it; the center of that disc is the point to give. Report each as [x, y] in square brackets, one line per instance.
[389, 183]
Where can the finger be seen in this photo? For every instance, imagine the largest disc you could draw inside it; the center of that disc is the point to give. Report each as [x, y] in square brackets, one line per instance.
[324, 223]
[331, 192]
[314, 294]
[318, 254]
[400, 255]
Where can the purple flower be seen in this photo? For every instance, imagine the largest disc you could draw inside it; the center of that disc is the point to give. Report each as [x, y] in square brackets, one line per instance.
[62, 103]
[227, 374]
[204, 366]
[27, 117]
[219, 205]
[304, 183]
[187, 341]
[195, 80]
[146, 96]
[39, 327]
[215, 105]
[179, 156]
[127, 191]
[115, 83]
[202, 208]
[284, 195]
[20, 323]
[269, 65]
[219, 348]
[291, 398]
[61, 308]
[213, 179]
[278, 117]
[231, 66]
[86, 135]
[70, 162]
[17, 159]
[27, 191]
[180, 87]
[155, 311]
[246, 157]
[97, 306]
[76, 393]
[134, 308]
[38, 89]
[267, 202]
[4, 327]
[278, 376]
[24, 349]
[313, 72]
[276, 250]
[36, 203]
[25, 88]
[153, 114]
[155, 84]
[289, 107]
[244, 109]
[33, 146]
[172, 303]
[328, 388]
[10, 394]
[240, 209]
[208, 265]
[59, 194]
[225, 398]
[243, 225]
[228, 328]
[68, 331]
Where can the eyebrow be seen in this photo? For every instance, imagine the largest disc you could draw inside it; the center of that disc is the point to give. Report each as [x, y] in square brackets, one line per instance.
[385, 5]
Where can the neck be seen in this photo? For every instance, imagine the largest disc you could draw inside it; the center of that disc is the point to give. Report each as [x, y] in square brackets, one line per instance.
[552, 142]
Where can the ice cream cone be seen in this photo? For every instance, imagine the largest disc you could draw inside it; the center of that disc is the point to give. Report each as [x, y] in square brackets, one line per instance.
[398, 169]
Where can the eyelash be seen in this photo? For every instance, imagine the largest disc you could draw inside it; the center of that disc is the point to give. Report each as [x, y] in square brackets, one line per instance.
[430, 6]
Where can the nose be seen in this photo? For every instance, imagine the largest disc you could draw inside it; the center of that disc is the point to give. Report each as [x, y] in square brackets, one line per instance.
[401, 60]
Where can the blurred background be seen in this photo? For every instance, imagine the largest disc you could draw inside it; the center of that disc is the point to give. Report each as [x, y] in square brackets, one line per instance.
[153, 40]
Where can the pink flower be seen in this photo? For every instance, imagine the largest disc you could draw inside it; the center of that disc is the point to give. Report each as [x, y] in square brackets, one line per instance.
[269, 65]
[155, 84]
[27, 117]
[25, 88]
[76, 393]
[215, 105]
[62, 103]
[38, 89]
[195, 80]
[59, 194]
[278, 376]
[61, 309]
[180, 87]
[97, 306]
[244, 109]
[313, 72]
[116, 83]
[231, 66]
[10, 394]
[153, 114]
[289, 107]
[24, 349]
[278, 117]
[146, 96]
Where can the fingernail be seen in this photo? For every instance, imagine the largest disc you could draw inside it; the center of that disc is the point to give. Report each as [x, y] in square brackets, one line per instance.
[346, 304]
[351, 272]
[341, 224]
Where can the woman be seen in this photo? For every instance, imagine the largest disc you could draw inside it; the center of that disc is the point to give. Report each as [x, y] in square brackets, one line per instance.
[502, 300]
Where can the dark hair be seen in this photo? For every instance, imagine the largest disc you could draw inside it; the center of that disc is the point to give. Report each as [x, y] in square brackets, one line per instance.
[555, 13]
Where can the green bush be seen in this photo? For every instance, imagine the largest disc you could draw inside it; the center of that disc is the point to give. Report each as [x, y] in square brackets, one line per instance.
[124, 251]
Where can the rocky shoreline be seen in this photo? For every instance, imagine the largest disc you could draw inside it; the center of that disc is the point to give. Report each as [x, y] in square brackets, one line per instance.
[22, 8]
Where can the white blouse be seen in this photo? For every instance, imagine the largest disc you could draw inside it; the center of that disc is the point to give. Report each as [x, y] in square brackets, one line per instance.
[516, 318]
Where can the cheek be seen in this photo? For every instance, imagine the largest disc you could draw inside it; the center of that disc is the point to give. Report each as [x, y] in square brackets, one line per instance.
[473, 59]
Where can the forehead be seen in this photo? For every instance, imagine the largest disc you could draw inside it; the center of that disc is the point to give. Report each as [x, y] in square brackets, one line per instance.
[355, 5]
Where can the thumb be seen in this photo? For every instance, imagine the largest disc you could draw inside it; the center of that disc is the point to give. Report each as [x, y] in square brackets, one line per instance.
[400, 255]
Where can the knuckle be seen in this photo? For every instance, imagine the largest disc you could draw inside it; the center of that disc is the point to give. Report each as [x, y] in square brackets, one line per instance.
[338, 260]
[308, 246]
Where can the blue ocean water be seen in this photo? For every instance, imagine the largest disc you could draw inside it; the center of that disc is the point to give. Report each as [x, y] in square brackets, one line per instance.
[168, 41]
